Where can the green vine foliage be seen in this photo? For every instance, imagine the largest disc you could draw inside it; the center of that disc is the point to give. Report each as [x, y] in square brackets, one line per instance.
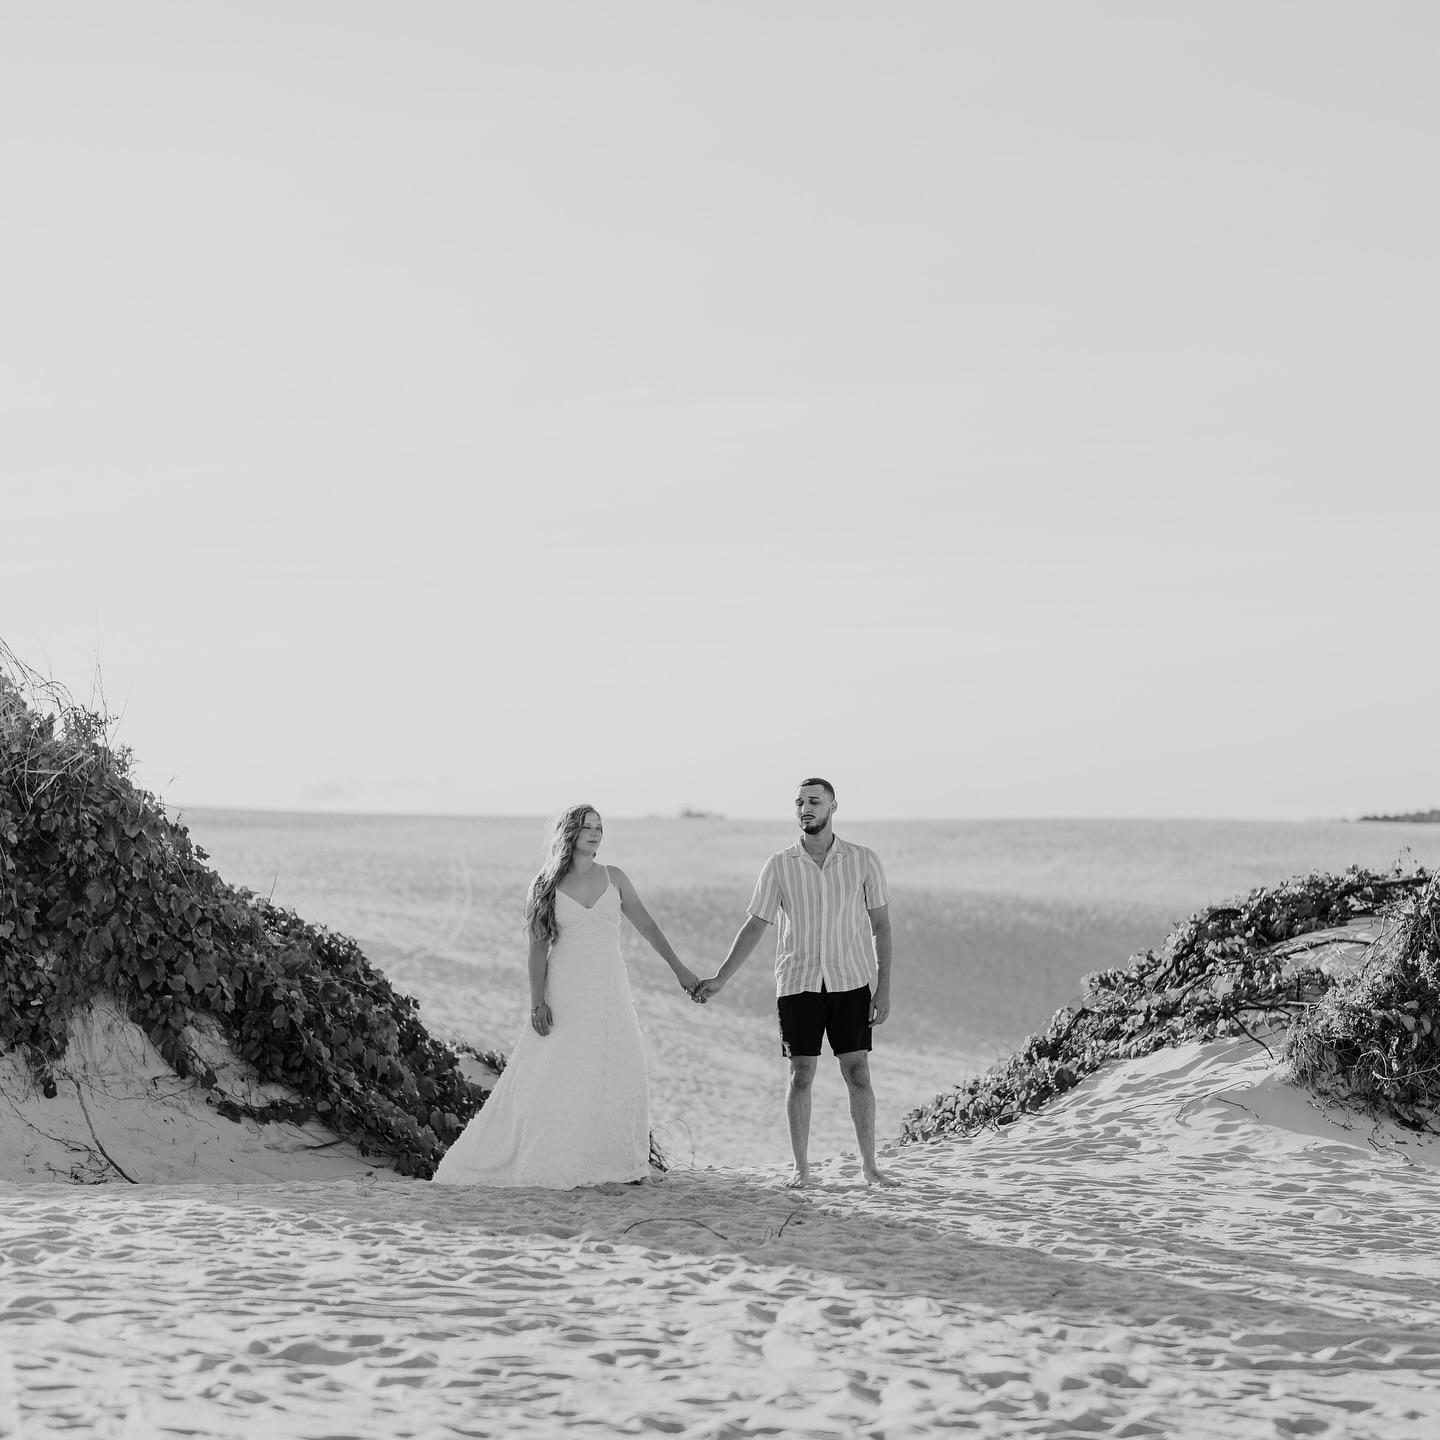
[101, 892]
[1225, 971]
[1373, 1041]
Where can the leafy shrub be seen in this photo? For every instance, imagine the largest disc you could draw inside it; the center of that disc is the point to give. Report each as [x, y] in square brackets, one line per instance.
[1224, 971]
[1373, 1040]
[101, 892]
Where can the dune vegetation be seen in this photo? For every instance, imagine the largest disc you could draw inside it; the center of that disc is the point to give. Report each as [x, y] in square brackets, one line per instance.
[1373, 1040]
[1370, 1038]
[103, 893]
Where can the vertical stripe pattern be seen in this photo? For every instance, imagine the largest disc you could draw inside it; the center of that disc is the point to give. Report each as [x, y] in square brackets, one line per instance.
[824, 934]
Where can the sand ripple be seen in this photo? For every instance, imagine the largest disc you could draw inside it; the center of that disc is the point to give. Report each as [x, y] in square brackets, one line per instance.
[1175, 1250]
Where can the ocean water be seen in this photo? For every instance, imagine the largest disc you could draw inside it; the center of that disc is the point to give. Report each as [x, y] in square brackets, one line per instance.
[995, 923]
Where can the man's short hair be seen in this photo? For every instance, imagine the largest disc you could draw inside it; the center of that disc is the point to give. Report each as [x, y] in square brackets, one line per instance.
[825, 785]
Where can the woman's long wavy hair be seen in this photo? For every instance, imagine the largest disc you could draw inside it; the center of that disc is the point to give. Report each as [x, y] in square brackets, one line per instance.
[560, 851]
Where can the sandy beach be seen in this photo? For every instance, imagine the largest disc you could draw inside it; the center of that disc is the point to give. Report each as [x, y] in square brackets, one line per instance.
[1183, 1246]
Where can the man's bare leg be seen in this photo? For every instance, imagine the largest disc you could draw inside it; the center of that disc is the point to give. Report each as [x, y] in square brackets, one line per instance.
[797, 1112]
[855, 1067]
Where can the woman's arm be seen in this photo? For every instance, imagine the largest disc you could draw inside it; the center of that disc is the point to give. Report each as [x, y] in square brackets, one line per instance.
[633, 909]
[540, 1016]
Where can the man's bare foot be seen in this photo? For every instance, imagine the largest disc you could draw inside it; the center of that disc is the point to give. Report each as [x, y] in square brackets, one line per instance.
[875, 1176]
[798, 1179]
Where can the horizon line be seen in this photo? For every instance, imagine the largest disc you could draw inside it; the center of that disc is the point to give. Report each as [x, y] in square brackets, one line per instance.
[698, 817]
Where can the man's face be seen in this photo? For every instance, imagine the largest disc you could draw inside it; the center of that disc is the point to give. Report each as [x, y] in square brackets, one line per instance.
[813, 808]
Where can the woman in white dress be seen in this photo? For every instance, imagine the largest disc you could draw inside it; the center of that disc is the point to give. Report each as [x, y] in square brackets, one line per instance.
[573, 1104]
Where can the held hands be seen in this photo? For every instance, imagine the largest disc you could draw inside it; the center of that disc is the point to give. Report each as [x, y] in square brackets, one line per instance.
[541, 1019]
[704, 989]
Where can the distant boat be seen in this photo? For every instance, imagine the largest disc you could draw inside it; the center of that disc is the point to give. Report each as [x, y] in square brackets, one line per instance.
[686, 813]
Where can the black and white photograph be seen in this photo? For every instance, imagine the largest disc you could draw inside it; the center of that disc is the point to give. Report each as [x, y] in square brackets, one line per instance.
[717, 719]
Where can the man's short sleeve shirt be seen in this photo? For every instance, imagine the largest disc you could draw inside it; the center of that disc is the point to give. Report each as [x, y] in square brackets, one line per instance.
[823, 915]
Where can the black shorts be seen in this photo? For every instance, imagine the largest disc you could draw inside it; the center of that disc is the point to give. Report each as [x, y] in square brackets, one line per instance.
[841, 1016]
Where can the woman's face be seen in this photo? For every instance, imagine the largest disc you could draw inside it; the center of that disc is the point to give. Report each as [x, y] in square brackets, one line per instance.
[592, 832]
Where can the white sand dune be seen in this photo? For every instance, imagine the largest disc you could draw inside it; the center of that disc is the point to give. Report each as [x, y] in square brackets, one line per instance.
[1182, 1246]
[121, 1113]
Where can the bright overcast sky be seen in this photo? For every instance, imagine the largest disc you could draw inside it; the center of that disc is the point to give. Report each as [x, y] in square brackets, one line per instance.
[1003, 409]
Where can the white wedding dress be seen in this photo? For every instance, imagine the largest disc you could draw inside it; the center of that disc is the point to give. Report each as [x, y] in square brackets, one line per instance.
[571, 1107]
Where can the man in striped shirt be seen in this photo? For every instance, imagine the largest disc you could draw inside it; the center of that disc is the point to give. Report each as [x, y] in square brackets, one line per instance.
[830, 899]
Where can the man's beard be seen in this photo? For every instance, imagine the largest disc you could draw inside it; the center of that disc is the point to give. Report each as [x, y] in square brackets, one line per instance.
[812, 827]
